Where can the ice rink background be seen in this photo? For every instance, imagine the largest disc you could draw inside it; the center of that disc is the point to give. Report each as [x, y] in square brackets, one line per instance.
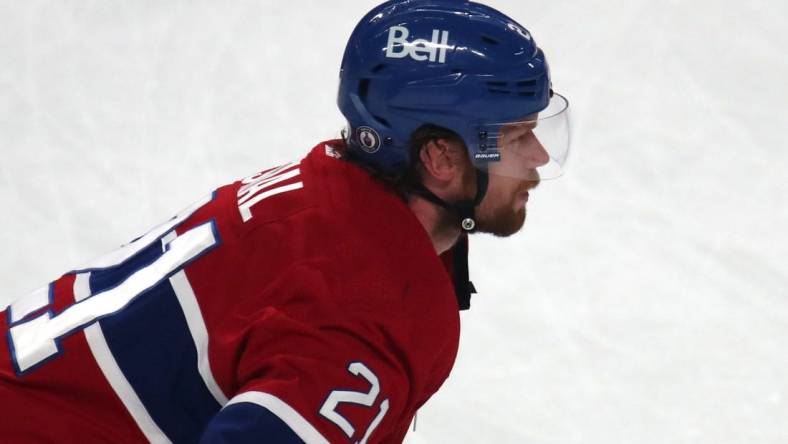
[647, 300]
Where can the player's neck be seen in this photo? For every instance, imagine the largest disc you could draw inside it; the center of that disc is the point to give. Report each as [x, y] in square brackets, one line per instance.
[439, 224]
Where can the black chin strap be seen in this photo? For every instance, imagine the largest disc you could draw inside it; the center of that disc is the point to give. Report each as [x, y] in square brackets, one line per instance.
[464, 209]
[466, 213]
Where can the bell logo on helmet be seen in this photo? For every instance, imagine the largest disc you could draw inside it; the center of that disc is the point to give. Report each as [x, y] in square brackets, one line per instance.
[420, 50]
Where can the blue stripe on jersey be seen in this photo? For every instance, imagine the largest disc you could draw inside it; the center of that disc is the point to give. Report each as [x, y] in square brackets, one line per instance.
[244, 423]
[105, 278]
[151, 343]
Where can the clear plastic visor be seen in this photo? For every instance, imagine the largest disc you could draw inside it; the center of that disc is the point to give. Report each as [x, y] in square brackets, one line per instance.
[534, 148]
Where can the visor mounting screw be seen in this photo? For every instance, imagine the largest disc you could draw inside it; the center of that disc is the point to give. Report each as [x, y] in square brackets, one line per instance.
[468, 224]
[483, 147]
[482, 135]
[388, 141]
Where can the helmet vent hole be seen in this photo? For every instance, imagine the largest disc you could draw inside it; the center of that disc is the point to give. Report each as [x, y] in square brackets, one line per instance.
[498, 87]
[363, 88]
[378, 68]
[456, 71]
[489, 40]
[526, 88]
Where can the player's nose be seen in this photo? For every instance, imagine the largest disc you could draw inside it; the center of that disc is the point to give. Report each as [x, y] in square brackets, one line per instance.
[537, 155]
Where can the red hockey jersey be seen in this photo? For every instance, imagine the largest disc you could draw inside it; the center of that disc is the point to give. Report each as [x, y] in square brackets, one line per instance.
[303, 304]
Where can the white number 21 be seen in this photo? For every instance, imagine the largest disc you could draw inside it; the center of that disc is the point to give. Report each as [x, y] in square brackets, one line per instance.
[337, 397]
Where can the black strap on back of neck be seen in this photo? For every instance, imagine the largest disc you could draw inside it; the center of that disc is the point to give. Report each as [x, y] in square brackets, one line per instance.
[463, 287]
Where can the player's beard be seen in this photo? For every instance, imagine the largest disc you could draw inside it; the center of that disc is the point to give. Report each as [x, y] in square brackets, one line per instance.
[503, 215]
[503, 221]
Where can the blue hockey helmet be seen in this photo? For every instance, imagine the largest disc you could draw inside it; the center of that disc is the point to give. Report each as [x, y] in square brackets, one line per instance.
[456, 64]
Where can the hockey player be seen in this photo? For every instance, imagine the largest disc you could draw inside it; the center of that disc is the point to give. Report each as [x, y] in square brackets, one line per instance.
[316, 301]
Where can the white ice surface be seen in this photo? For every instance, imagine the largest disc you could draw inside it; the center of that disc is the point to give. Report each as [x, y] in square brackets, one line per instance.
[647, 299]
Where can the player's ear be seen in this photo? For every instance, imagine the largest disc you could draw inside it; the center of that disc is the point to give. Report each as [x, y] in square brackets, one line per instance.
[439, 160]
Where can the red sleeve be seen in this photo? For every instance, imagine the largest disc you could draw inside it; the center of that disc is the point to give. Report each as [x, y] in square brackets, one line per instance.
[337, 376]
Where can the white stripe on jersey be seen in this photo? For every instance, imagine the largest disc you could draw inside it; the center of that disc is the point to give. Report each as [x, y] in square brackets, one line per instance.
[306, 431]
[108, 365]
[187, 299]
